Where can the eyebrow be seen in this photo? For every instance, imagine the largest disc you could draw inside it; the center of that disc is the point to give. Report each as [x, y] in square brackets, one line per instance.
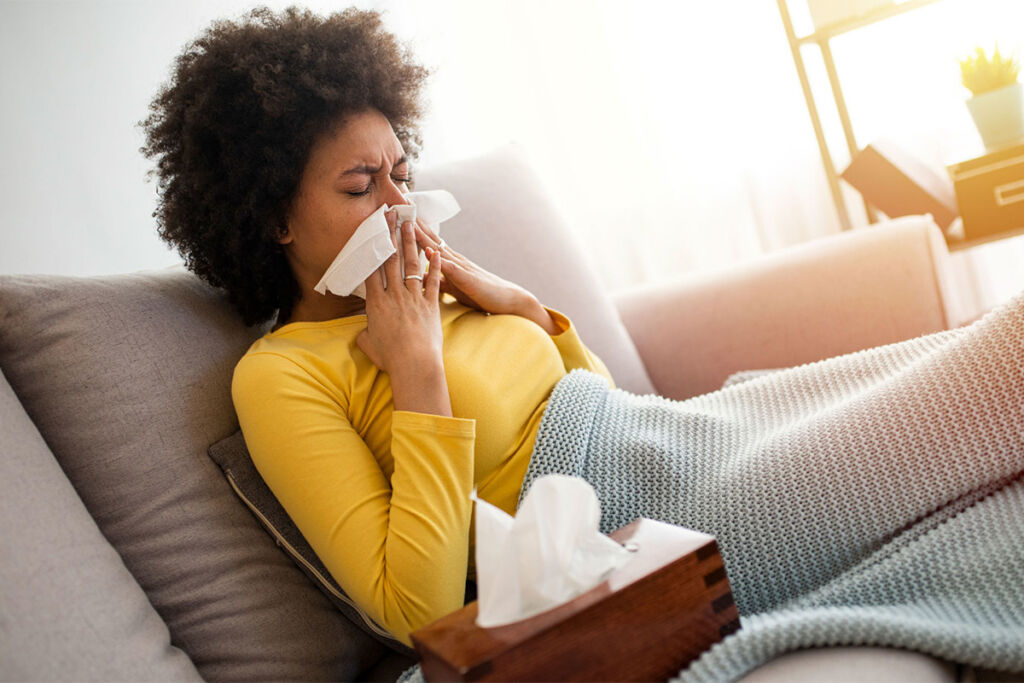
[366, 169]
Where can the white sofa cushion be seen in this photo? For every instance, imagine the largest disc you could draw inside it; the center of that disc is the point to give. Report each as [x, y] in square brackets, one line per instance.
[849, 664]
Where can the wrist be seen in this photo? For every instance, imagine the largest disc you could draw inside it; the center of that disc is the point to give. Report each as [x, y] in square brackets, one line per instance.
[532, 309]
[417, 370]
[421, 389]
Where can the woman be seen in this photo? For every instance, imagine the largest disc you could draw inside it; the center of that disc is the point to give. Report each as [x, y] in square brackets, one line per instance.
[347, 406]
[373, 420]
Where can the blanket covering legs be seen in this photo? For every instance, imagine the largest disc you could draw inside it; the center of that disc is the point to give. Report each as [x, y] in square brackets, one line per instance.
[875, 498]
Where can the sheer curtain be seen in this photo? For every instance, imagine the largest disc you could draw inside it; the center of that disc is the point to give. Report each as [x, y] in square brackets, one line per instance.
[673, 133]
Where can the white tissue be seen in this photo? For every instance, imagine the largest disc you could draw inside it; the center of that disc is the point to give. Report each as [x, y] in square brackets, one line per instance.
[370, 245]
[548, 554]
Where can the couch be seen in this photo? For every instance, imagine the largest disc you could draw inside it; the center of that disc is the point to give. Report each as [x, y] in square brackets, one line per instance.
[126, 555]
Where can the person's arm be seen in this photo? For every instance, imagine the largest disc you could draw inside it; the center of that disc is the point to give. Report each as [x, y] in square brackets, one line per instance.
[399, 548]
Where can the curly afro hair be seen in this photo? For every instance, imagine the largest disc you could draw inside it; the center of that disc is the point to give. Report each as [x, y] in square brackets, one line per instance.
[232, 130]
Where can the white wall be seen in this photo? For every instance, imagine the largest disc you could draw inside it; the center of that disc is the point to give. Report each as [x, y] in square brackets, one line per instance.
[677, 122]
[72, 192]
[75, 78]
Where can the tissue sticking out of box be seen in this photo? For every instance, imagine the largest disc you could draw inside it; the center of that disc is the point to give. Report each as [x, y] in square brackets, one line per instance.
[549, 553]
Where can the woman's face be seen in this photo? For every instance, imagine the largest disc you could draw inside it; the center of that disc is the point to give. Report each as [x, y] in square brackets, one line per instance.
[351, 172]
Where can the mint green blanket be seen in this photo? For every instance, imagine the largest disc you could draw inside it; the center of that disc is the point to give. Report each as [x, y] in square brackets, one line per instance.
[875, 498]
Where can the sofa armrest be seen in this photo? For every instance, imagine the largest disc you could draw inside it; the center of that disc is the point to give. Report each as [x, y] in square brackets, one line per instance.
[822, 298]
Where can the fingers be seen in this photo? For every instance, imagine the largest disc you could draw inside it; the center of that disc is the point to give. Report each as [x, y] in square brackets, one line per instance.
[392, 270]
[426, 237]
[411, 256]
[452, 265]
[432, 283]
[375, 284]
[405, 239]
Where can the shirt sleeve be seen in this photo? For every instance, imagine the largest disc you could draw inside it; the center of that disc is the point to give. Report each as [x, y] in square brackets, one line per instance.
[572, 349]
[398, 548]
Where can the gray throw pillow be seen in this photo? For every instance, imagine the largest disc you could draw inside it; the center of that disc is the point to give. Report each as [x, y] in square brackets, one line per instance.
[69, 610]
[232, 455]
[127, 378]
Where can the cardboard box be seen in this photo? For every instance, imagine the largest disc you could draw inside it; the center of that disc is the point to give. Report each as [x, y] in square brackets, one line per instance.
[647, 621]
[990, 192]
[899, 184]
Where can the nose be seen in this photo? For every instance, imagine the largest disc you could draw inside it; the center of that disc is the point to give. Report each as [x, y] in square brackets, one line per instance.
[393, 194]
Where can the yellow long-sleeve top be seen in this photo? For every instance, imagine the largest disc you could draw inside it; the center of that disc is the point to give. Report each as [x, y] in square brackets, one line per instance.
[382, 495]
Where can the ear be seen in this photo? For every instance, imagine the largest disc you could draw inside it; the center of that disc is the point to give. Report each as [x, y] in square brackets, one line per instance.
[284, 236]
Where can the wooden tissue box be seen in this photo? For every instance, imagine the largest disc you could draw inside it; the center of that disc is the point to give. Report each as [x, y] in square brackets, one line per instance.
[647, 621]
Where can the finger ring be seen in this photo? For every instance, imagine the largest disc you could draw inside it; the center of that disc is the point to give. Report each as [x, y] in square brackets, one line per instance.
[443, 244]
[414, 277]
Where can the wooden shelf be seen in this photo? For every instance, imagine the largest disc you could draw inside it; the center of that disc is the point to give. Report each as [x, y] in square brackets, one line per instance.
[955, 244]
[821, 38]
[882, 13]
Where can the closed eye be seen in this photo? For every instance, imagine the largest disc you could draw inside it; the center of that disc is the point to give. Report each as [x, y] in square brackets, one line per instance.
[365, 191]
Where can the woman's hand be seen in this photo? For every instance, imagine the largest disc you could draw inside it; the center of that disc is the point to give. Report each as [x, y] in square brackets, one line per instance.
[403, 334]
[477, 288]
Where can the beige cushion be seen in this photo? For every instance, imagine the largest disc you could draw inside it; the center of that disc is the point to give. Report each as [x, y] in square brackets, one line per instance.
[69, 610]
[823, 298]
[127, 378]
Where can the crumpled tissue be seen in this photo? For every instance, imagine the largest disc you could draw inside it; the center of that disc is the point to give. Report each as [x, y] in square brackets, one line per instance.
[370, 245]
[549, 553]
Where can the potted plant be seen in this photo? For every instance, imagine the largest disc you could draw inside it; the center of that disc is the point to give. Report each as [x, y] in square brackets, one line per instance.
[997, 106]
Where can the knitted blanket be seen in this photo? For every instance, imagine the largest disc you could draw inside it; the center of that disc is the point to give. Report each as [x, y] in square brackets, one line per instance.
[875, 498]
